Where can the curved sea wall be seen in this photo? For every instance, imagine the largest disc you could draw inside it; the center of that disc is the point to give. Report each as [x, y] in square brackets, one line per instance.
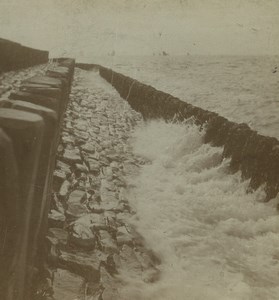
[14, 56]
[255, 155]
[30, 122]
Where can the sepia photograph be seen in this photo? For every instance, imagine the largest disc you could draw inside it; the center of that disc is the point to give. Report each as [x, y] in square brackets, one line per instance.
[139, 150]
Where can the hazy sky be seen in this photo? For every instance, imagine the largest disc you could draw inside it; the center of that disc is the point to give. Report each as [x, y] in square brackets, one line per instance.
[83, 28]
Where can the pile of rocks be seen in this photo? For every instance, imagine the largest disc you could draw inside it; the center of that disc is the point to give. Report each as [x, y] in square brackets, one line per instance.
[92, 245]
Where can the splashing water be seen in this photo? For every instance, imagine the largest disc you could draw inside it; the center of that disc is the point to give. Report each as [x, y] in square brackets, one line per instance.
[214, 240]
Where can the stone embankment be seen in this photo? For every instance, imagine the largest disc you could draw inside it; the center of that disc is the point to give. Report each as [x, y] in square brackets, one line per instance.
[92, 245]
[30, 113]
[255, 155]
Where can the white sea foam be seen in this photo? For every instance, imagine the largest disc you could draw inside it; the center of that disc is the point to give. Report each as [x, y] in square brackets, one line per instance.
[215, 240]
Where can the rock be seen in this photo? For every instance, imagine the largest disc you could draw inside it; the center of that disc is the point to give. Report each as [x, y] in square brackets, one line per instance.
[107, 243]
[91, 105]
[123, 217]
[69, 126]
[107, 186]
[82, 236]
[113, 157]
[77, 197]
[58, 178]
[110, 285]
[67, 286]
[107, 173]
[109, 200]
[64, 189]
[130, 168]
[56, 219]
[94, 166]
[111, 221]
[81, 135]
[92, 221]
[72, 156]
[59, 234]
[148, 263]
[81, 127]
[88, 148]
[53, 250]
[68, 140]
[104, 161]
[84, 264]
[95, 156]
[123, 236]
[81, 168]
[115, 166]
[63, 167]
[95, 182]
[129, 262]
[56, 204]
[119, 182]
[75, 211]
[121, 207]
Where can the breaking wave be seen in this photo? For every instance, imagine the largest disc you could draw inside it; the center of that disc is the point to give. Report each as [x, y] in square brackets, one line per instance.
[215, 241]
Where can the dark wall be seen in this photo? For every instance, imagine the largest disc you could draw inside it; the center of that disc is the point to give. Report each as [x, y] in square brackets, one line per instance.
[30, 122]
[14, 56]
[255, 155]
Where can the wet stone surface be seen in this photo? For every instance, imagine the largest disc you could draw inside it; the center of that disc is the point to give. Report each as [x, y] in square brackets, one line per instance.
[90, 239]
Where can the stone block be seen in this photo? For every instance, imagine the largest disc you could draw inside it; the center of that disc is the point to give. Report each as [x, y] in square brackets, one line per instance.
[45, 169]
[9, 213]
[67, 286]
[26, 132]
[42, 100]
[41, 90]
[45, 80]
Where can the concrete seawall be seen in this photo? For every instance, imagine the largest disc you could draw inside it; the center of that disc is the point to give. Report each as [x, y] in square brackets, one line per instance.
[14, 56]
[30, 122]
[255, 155]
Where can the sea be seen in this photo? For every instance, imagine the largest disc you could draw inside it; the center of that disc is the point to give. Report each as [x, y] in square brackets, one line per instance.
[215, 240]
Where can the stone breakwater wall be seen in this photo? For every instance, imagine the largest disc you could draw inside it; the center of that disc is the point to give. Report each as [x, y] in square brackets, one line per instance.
[14, 56]
[30, 122]
[94, 248]
[255, 155]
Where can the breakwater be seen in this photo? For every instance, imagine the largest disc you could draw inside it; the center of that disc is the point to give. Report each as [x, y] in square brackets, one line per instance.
[255, 155]
[14, 56]
[93, 248]
[30, 122]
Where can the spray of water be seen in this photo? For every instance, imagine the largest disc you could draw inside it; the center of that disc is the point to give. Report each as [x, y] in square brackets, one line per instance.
[215, 240]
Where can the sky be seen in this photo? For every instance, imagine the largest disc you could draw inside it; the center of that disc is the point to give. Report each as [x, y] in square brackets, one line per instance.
[83, 28]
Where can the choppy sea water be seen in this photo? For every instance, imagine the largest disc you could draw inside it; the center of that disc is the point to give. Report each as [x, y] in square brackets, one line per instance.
[215, 240]
[240, 88]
